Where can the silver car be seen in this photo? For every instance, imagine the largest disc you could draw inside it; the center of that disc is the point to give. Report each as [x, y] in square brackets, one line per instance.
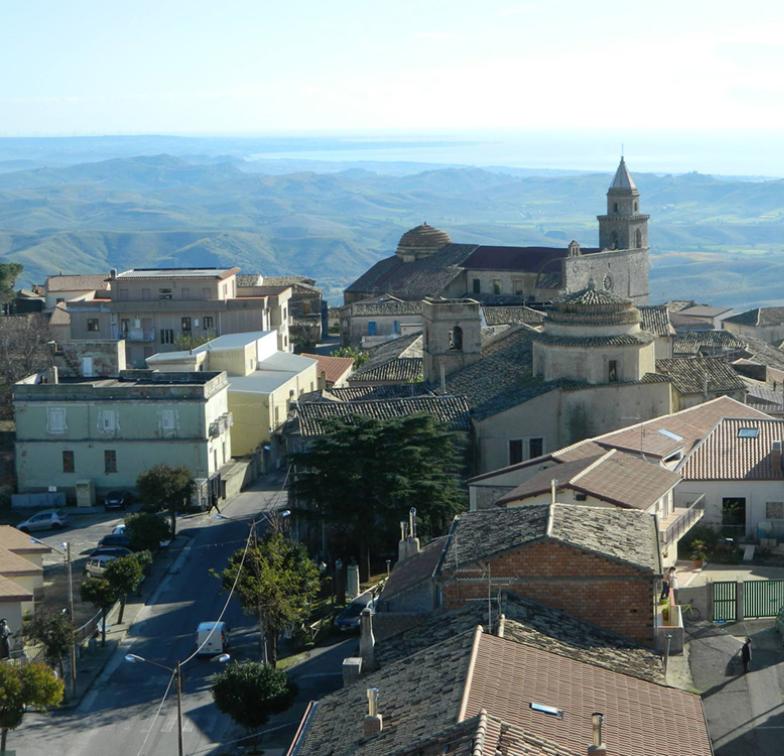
[47, 520]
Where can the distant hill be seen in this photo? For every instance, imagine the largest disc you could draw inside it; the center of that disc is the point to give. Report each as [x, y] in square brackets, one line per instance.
[714, 239]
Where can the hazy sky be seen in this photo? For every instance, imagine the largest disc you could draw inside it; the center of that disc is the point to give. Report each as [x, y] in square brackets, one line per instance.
[195, 66]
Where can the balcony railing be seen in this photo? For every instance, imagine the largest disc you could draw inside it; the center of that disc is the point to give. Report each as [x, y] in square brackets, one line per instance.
[140, 334]
[221, 424]
[682, 520]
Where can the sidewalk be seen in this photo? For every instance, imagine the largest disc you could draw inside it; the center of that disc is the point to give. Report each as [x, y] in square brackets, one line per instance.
[745, 713]
[93, 659]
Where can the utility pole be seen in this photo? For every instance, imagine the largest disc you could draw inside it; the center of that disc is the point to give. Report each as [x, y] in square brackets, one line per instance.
[178, 674]
[69, 570]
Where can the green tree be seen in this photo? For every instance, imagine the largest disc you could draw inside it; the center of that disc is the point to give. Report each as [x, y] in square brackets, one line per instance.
[185, 343]
[359, 356]
[102, 595]
[363, 475]
[166, 487]
[277, 584]
[54, 631]
[9, 272]
[22, 686]
[124, 576]
[146, 530]
[249, 692]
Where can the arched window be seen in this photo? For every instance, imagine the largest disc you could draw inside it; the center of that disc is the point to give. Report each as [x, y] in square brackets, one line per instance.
[636, 206]
[615, 207]
[638, 238]
[456, 339]
[614, 240]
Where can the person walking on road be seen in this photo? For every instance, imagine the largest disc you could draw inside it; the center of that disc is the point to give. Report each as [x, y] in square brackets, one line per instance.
[745, 655]
[665, 591]
[673, 579]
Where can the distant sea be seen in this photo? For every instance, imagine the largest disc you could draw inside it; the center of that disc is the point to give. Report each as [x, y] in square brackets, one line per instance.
[753, 154]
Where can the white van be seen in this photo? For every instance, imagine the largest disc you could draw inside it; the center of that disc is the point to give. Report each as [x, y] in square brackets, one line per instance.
[214, 636]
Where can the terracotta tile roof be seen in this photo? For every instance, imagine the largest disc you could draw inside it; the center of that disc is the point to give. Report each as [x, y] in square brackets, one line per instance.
[705, 311]
[21, 543]
[377, 391]
[737, 449]
[694, 376]
[11, 591]
[245, 280]
[623, 535]
[414, 570]
[763, 353]
[706, 343]
[526, 622]
[399, 360]
[759, 316]
[615, 477]
[641, 718]
[291, 280]
[474, 691]
[334, 368]
[655, 319]
[60, 315]
[529, 259]
[12, 564]
[79, 282]
[507, 315]
[451, 410]
[668, 434]
[386, 305]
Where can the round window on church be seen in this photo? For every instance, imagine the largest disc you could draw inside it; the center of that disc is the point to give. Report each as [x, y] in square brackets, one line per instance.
[608, 282]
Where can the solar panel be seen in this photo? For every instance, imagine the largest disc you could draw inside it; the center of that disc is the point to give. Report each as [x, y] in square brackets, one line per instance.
[748, 432]
[669, 434]
[549, 710]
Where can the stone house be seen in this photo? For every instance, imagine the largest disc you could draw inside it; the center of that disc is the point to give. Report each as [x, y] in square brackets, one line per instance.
[370, 322]
[333, 372]
[698, 380]
[763, 323]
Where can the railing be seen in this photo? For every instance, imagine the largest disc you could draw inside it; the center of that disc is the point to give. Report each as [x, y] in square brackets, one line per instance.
[221, 425]
[690, 514]
[140, 334]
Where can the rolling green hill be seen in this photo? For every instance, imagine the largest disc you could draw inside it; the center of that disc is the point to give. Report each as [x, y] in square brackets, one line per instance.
[714, 239]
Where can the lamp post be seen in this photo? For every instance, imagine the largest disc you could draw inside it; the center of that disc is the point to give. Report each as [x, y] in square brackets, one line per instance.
[177, 672]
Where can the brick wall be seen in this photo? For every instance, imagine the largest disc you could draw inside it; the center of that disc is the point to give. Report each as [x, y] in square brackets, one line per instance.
[605, 593]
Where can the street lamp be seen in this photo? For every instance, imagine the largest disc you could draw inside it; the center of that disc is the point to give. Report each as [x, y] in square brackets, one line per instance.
[65, 550]
[177, 672]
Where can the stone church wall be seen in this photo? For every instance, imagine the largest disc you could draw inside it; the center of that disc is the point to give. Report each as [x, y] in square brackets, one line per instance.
[626, 272]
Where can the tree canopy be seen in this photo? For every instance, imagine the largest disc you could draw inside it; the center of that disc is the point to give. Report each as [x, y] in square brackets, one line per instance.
[22, 686]
[54, 631]
[364, 475]
[249, 692]
[277, 584]
[166, 487]
[102, 595]
[9, 272]
[125, 576]
[146, 530]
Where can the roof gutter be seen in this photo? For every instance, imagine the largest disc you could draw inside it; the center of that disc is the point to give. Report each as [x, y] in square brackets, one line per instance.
[303, 729]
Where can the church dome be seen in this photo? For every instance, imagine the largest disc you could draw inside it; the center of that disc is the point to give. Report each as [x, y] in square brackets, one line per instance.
[421, 241]
[594, 307]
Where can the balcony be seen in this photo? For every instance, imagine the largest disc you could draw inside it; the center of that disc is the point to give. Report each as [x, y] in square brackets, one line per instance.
[140, 334]
[221, 425]
[683, 517]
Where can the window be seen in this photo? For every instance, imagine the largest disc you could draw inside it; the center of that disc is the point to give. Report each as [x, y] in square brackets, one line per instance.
[396, 327]
[185, 324]
[167, 336]
[110, 461]
[186, 292]
[733, 513]
[107, 421]
[636, 206]
[580, 497]
[68, 462]
[496, 286]
[638, 238]
[372, 328]
[477, 286]
[515, 451]
[518, 287]
[93, 325]
[748, 432]
[612, 371]
[205, 292]
[774, 510]
[206, 322]
[285, 315]
[59, 299]
[55, 420]
[456, 339]
[168, 422]
[164, 293]
[535, 447]
[544, 709]
[124, 326]
[615, 207]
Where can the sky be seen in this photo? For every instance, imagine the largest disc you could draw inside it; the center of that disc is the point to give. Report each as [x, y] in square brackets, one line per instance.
[267, 66]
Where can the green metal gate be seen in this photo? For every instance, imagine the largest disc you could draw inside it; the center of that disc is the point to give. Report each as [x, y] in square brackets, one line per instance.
[762, 598]
[725, 600]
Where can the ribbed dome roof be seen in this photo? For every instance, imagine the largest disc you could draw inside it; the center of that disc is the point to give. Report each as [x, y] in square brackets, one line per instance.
[423, 237]
[594, 306]
[592, 296]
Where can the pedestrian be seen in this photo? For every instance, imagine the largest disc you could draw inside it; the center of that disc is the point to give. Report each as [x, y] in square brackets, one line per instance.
[745, 655]
[674, 585]
[665, 591]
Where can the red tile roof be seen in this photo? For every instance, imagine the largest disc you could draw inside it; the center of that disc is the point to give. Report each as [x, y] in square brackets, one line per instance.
[334, 368]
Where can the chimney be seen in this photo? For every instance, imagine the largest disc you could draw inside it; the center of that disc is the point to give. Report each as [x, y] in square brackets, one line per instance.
[501, 626]
[553, 489]
[352, 670]
[372, 724]
[443, 378]
[367, 641]
[775, 455]
[402, 547]
[53, 374]
[413, 541]
[598, 748]
[113, 274]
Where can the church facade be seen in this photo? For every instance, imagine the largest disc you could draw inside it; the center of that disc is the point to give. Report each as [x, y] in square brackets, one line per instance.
[428, 264]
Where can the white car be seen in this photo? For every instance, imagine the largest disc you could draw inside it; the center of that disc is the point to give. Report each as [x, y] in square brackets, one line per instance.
[44, 521]
[96, 565]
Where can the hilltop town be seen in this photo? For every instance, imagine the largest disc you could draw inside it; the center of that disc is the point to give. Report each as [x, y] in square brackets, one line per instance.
[572, 468]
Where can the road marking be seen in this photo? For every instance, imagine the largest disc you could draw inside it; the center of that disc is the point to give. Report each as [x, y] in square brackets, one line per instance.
[170, 723]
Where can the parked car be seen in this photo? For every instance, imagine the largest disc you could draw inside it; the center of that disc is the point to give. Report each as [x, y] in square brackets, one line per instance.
[348, 619]
[119, 529]
[44, 521]
[96, 565]
[115, 539]
[117, 551]
[116, 500]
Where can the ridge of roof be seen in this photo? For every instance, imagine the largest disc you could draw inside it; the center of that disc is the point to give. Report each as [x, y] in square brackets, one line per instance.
[478, 630]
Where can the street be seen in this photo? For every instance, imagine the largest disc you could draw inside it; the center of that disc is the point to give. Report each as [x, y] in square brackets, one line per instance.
[118, 715]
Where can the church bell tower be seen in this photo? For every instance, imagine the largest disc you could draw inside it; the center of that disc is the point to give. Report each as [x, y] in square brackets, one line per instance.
[624, 226]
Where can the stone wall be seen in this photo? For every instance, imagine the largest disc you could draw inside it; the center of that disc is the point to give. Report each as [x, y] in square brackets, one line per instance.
[624, 272]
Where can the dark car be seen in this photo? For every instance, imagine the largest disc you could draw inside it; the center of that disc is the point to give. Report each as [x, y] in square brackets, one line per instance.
[116, 500]
[116, 551]
[115, 539]
[348, 619]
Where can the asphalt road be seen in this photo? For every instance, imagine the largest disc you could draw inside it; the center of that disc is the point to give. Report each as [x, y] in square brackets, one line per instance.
[118, 715]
